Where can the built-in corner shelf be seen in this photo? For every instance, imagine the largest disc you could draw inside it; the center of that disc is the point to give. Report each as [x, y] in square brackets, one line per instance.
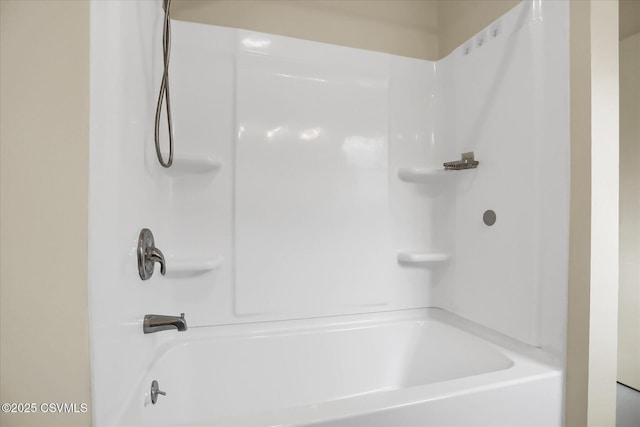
[186, 165]
[422, 175]
[423, 259]
[191, 266]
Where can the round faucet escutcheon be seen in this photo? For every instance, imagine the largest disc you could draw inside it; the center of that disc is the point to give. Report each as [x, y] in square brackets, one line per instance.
[148, 255]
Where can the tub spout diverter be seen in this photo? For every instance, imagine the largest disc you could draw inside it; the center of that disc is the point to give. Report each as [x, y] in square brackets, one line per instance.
[157, 322]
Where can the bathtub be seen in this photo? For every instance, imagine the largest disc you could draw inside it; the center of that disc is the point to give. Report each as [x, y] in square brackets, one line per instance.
[423, 367]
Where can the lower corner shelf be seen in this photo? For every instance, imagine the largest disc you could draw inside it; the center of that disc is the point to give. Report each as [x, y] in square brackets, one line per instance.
[425, 259]
[191, 266]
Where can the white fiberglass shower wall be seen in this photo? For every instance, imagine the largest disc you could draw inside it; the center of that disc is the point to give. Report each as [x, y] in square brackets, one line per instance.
[310, 232]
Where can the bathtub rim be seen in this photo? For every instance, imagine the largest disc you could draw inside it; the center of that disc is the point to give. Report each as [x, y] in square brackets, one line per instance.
[275, 328]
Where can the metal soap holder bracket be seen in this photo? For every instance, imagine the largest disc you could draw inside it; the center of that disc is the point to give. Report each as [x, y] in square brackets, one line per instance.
[466, 162]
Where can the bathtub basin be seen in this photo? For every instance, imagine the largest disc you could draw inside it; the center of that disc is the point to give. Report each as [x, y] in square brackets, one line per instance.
[422, 367]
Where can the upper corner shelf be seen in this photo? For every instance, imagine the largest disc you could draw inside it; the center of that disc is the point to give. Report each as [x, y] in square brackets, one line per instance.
[186, 165]
[424, 175]
[421, 175]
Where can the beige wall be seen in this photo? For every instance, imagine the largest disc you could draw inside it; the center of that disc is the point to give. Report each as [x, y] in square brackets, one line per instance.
[629, 299]
[44, 100]
[629, 18]
[577, 378]
[605, 125]
[593, 267]
[401, 27]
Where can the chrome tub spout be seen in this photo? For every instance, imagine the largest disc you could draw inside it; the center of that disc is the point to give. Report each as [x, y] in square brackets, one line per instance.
[156, 322]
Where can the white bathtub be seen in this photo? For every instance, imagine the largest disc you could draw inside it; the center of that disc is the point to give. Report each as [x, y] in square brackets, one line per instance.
[421, 367]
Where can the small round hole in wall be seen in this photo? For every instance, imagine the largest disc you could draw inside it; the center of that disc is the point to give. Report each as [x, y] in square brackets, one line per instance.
[489, 217]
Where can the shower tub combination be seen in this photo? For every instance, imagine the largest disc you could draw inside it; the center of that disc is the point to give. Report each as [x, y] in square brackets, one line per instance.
[422, 367]
[331, 272]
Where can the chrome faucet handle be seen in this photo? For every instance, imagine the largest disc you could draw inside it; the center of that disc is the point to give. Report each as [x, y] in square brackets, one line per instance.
[155, 255]
[155, 391]
[148, 255]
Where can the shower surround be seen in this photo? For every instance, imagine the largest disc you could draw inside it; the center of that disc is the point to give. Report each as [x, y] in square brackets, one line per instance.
[330, 271]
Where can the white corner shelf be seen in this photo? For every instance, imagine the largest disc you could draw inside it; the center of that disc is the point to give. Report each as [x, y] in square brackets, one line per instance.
[424, 259]
[422, 175]
[186, 165]
[191, 266]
